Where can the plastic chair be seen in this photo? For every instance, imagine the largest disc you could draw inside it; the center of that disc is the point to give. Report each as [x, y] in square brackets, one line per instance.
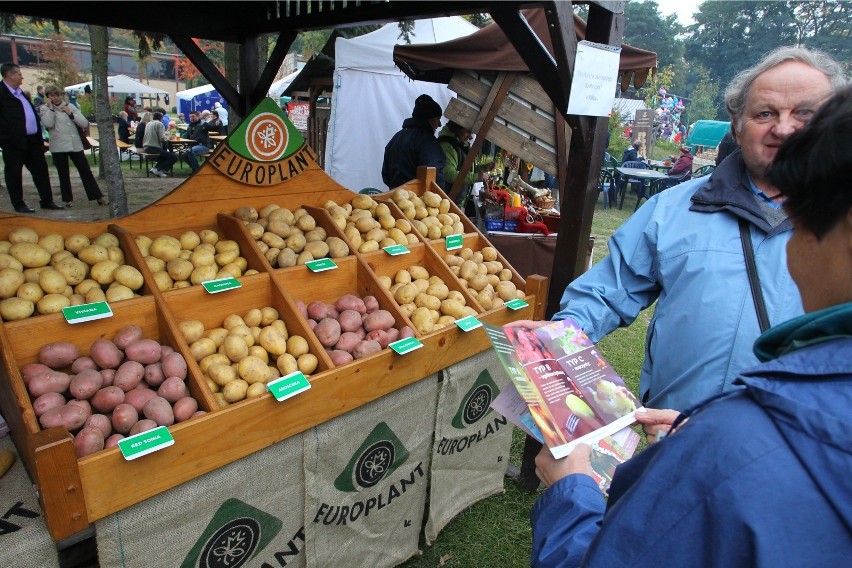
[703, 171]
[606, 185]
[624, 182]
[370, 191]
[664, 184]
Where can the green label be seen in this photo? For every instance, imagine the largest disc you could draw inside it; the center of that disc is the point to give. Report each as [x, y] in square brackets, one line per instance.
[145, 443]
[469, 323]
[396, 250]
[87, 312]
[406, 345]
[516, 304]
[288, 386]
[454, 242]
[320, 265]
[221, 284]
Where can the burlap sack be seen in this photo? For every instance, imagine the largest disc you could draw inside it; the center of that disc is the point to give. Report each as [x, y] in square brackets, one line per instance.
[472, 441]
[24, 540]
[249, 513]
[366, 478]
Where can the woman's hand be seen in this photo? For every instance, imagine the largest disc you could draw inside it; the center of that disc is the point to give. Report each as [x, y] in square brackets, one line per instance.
[550, 470]
[656, 423]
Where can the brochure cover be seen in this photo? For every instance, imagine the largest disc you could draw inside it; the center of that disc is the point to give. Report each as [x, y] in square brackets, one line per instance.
[572, 393]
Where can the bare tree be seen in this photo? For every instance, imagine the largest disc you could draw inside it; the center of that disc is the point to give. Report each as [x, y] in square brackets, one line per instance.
[110, 161]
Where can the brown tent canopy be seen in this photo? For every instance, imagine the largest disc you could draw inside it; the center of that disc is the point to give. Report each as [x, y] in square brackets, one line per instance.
[489, 50]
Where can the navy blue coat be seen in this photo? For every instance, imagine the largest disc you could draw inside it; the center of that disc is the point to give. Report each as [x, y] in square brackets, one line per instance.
[415, 145]
[759, 477]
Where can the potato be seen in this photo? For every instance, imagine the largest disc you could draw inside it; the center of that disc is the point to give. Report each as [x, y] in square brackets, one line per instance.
[106, 399]
[52, 304]
[8, 261]
[235, 391]
[365, 348]
[145, 351]
[174, 365]
[173, 389]
[452, 308]
[70, 417]
[100, 421]
[184, 408]
[30, 255]
[48, 401]
[317, 249]
[124, 417]
[138, 397]
[58, 355]
[221, 374]
[320, 310]
[23, 235]
[159, 410]
[286, 364]
[154, 375]
[339, 357]
[273, 341]
[88, 441]
[252, 370]
[307, 363]
[142, 426]
[128, 375]
[422, 320]
[297, 345]
[328, 332]
[165, 248]
[85, 384]
[384, 337]
[380, 319]
[405, 294]
[10, 280]
[235, 348]
[192, 330]
[129, 276]
[104, 272]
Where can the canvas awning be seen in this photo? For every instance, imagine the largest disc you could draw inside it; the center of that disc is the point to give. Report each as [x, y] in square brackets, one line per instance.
[707, 133]
[122, 84]
[489, 50]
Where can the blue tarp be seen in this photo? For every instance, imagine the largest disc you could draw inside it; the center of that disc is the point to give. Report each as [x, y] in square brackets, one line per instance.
[198, 99]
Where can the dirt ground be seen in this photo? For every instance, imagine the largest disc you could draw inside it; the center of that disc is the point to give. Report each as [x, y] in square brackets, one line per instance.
[140, 191]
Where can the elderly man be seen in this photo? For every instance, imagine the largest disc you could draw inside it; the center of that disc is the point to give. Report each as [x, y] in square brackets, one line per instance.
[758, 477]
[710, 251]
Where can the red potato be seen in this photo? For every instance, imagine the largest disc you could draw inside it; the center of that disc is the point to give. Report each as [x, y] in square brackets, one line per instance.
[406, 332]
[198, 413]
[173, 389]
[58, 355]
[154, 375]
[85, 384]
[371, 303]
[142, 426]
[109, 376]
[34, 370]
[366, 347]
[71, 417]
[52, 381]
[380, 319]
[327, 331]
[48, 401]
[340, 357]
[174, 365]
[105, 353]
[145, 351]
[82, 364]
[320, 310]
[124, 417]
[348, 340]
[384, 337]
[138, 397]
[88, 441]
[128, 375]
[360, 333]
[127, 335]
[112, 441]
[300, 306]
[102, 422]
[349, 320]
[312, 324]
[185, 408]
[160, 411]
[84, 404]
[106, 399]
[350, 302]
[165, 350]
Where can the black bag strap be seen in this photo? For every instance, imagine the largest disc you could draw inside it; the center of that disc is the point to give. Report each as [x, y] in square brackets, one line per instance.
[753, 278]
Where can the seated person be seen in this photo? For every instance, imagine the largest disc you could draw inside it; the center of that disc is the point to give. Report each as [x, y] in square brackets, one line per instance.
[683, 163]
[123, 127]
[155, 143]
[632, 152]
[198, 131]
[719, 489]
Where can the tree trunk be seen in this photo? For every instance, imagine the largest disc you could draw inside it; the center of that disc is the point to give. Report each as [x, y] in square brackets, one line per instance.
[110, 160]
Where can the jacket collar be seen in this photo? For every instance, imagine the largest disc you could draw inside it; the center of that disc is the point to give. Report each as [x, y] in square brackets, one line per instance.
[728, 189]
[823, 325]
[412, 122]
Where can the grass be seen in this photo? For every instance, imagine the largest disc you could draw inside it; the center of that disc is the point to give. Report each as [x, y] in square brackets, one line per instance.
[496, 531]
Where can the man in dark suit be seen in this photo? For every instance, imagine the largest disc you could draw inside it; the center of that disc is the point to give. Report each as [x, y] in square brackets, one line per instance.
[21, 142]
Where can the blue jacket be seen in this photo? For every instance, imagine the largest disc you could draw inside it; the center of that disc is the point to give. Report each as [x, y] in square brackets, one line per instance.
[757, 478]
[682, 250]
[415, 145]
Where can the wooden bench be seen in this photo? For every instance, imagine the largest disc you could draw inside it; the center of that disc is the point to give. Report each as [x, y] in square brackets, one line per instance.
[95, 147]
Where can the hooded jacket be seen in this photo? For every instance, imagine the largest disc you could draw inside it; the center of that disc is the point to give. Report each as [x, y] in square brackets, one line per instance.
[415, 145]
[759, 477]
[683, 163]
[682, 250]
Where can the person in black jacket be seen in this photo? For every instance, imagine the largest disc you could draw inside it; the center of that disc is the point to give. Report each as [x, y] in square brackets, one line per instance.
[21, 142]
[123, 127]
[200, 132]
[632, 152]
[415, 145]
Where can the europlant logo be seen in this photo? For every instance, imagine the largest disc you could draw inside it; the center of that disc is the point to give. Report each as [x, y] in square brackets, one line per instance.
[477, 402]
[379, 455]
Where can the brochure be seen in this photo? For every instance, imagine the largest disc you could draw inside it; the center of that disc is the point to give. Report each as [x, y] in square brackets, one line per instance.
[572, 393]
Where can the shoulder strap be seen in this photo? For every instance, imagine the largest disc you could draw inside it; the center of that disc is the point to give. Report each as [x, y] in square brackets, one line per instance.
[753, 278]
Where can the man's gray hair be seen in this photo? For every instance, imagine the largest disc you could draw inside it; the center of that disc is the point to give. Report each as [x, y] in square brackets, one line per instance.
[737, 92]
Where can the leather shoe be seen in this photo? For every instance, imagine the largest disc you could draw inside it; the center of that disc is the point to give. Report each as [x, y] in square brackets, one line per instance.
[51, 205]
[24, 209]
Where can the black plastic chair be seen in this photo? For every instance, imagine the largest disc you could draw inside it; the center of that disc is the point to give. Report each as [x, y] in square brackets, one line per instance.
[607, 188]
[625, 181]
[703, 171]
[664, 184]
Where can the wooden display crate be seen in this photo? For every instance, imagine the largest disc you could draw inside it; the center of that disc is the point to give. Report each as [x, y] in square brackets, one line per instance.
[477, 242]
[74, 493]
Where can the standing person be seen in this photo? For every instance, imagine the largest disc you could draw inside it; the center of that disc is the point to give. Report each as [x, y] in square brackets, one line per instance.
[154, 143]
[198, 131]
[455, 144]
[415, 145]
[689, 248]
[63, 122]
[21, 142]
[123, 127]
[39, 99]
[223, 116]
[130, 109]
[782, 444]
[147, 117]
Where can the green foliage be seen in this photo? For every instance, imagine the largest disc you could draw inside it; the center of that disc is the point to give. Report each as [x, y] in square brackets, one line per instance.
[646, 28]
[57, 63]
[617, 142]
[664, 148]
[702, 104]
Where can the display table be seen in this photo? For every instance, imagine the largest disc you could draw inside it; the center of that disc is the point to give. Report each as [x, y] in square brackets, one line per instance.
[531, 253]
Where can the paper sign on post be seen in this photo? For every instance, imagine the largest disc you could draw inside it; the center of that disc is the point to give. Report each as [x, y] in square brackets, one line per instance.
[595, 77]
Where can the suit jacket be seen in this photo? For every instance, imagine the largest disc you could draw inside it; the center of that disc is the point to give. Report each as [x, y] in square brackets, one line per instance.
[13, 121]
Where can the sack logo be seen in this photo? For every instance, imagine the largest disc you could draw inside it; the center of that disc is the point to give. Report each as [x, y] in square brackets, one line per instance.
[236, 534]
[477, 402]
[379, 455]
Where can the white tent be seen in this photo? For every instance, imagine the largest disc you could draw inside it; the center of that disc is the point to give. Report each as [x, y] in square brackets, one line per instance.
[121, 84]
[281, 85]
[372, 97]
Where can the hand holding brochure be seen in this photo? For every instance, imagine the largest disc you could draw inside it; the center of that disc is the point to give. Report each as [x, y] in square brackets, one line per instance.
[573, 395]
